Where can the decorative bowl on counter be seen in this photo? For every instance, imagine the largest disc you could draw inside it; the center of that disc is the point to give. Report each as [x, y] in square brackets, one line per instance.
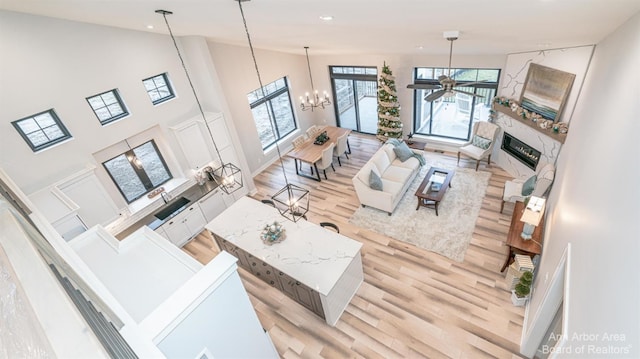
[273, 233]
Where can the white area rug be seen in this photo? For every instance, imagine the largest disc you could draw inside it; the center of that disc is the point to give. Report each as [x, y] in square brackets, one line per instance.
[450, 232]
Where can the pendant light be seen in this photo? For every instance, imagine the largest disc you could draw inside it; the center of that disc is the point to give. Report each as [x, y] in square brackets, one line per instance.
[314, 101]
[291, 201]
[228, 176]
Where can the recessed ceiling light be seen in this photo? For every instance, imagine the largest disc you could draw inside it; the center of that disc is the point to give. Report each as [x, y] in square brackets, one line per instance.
[419, 47]
[149, 26]
[326, 17]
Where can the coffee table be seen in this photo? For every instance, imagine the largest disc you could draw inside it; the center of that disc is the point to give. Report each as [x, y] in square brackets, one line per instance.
[426, 196]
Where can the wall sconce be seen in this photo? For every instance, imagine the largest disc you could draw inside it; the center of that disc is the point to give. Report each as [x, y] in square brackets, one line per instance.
[532, 215]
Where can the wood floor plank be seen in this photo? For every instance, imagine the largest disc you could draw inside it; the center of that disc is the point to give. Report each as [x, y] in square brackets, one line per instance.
[413, 303]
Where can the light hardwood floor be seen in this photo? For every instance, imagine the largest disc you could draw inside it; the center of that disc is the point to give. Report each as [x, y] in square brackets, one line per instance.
[413, 303]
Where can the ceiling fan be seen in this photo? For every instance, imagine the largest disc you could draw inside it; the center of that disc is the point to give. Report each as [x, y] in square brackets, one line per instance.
[447, 86]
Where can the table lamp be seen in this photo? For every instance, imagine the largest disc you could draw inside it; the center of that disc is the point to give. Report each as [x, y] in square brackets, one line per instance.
[532, 215]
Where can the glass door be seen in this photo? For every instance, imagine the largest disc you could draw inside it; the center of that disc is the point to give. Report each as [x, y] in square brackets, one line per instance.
[355, 91]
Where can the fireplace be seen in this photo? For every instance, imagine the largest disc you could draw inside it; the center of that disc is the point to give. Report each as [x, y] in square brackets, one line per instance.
[524, 153]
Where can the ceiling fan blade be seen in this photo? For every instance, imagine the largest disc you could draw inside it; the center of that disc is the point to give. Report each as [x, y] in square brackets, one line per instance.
[434, 95]
[468, 93]
[423, 86]
[470, 83]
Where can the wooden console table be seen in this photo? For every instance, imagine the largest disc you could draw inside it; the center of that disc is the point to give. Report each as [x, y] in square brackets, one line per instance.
[516, 244]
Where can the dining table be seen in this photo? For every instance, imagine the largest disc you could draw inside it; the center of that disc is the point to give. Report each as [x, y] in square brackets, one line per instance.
[311, 153]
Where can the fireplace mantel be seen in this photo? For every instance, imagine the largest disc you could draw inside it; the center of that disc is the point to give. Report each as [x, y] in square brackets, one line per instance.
[560, 137]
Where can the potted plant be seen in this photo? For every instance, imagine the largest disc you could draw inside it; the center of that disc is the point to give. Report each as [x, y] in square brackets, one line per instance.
[520, 294]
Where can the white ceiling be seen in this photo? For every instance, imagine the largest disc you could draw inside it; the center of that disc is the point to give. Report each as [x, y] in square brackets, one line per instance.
[360, 26]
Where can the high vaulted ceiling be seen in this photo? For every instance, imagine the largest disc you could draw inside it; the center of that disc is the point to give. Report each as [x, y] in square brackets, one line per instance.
[360, 26]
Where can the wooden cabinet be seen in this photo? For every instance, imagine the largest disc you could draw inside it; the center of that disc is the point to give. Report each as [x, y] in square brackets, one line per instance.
[233, 250]
[299, 292]
[285, 283]
[181, 228]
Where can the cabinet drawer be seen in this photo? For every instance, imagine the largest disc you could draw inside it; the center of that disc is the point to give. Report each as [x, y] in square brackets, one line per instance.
[262, 270]
[233, 250]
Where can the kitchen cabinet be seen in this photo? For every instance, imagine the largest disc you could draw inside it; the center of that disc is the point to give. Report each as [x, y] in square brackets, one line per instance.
[295, 290]
[299, 292]
[161, 232]
[193, 143]
[184, 226]
[213, 204]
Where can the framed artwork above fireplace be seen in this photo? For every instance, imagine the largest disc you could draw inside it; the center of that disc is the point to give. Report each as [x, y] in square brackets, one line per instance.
[546, 90]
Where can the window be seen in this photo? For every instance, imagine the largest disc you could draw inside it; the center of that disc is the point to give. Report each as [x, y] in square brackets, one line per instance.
[158, 88]
[453, 117]
[108, 106]
[42, 130]
[356, 92]
[276, 103]
[138, 171]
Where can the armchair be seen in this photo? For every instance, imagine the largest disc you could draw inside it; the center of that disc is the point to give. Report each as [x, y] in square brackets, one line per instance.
[513, 189]
[483, 138]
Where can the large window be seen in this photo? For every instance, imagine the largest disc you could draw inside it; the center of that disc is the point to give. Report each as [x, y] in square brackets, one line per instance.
[159, 88]
[272, 112]
[356, 92]
[108, 106]
[454, 116]
[42, 130]
[138, 171]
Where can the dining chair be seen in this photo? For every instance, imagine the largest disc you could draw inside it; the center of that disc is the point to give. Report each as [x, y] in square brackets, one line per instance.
[341, 148]
[269, 202]
[327, 160]
[330, 225]
[313, 131]
[297, 143]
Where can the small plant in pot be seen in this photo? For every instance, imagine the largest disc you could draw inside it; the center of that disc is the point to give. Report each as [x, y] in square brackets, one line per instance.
[520, 294]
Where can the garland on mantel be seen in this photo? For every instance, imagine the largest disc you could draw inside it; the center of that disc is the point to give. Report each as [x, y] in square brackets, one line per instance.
[526, 115]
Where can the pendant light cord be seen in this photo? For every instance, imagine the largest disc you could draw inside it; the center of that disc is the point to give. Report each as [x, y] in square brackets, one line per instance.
[450, 53]
[255, 64]
[306, 51]
[193, 89]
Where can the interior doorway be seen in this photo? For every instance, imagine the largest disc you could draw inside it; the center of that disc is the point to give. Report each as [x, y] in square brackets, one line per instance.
[355, 91]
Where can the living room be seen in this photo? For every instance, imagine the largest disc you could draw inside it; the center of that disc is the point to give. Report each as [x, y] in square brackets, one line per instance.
[601, 231]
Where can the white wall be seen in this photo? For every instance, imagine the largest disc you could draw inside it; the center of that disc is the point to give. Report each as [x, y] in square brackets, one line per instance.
[238, 77]
[594, 204]
[49, 63]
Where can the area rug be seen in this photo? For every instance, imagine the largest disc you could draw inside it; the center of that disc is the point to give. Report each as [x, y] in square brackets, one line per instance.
[450, 232]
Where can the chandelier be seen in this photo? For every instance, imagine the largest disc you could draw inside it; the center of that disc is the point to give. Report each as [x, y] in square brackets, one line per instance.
[313, 100]
[228, 176]
[291, 201]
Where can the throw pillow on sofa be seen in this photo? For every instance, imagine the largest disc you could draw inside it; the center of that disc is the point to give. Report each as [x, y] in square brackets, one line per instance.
[375, 182]
[403, 151]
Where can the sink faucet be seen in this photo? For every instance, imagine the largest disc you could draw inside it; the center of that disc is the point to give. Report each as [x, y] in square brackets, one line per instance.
[165, 197]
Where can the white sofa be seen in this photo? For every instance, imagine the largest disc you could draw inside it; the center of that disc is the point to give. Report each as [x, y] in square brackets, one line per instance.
[396, 178]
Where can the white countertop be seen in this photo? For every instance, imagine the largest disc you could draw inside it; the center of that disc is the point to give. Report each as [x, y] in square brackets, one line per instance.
[311, 254]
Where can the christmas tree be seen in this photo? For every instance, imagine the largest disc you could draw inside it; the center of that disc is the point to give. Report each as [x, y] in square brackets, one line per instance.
[389, 125]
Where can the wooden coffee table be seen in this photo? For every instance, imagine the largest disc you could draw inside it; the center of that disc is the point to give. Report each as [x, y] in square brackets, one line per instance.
[427, 198]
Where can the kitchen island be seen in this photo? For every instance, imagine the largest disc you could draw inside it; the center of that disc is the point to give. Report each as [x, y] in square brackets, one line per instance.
[319, 268]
